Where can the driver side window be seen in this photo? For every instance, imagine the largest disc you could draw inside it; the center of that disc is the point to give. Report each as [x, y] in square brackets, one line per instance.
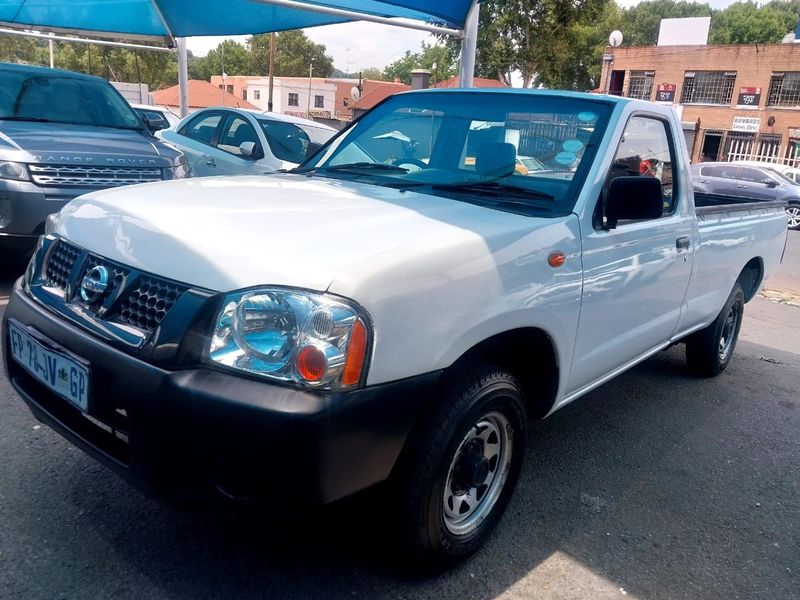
[645, 151]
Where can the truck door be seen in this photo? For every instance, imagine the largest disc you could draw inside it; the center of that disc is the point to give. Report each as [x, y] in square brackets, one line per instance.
[635, 275]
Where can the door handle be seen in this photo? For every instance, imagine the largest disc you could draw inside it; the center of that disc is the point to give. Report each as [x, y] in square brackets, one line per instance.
[682, 243]
[211, 162]
[704, 181]
[741, 187]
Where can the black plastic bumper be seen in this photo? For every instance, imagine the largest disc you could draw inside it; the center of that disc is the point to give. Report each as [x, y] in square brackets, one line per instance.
[191, 436]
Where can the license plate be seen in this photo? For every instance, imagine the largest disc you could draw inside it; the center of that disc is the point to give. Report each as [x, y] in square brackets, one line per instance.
[55, 370]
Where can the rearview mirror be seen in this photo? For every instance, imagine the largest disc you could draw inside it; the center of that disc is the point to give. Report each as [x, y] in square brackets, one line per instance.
[770, 183]
[154, 124]
[633, 199]
[247, 149]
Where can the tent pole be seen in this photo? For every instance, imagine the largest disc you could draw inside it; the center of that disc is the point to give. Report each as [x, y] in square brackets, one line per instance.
[62, 38]
[183, 76]
[469, 45]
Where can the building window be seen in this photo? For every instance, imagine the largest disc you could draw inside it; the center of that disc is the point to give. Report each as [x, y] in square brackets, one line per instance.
[641, 85]
[738, 146]
[319, 101]
[769, 144]
[294, 99]
[784, 89]
[229, 88]
[708, 87]
[256, 95]
[792, 157]
[244, 94]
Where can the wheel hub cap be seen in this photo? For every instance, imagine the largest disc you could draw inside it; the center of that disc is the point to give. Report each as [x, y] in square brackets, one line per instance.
[477, 473]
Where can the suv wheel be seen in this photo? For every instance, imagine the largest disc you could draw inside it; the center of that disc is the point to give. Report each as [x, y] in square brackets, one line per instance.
[793, 216]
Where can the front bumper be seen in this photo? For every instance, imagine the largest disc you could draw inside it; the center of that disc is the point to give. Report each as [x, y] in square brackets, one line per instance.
[194, 436]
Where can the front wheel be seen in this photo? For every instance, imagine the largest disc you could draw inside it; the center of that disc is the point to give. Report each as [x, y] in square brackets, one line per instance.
[793, 216]
[709, 350]
[460, 469]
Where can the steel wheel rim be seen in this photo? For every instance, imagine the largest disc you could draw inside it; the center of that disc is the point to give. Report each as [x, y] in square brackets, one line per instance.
[728, 334]
[486, 447]
[793, 216]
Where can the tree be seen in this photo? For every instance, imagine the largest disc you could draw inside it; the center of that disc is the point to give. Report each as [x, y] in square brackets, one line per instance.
[229, 57]
[294, 52]
[640, 24]
[439, 60]
[747, 23]
[372, 73]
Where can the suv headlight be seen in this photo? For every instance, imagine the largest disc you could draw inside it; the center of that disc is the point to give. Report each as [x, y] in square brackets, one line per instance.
[310, 339]
[13, 170]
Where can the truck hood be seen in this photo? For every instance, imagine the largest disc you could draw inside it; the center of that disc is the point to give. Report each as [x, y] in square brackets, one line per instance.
[228, 233]
[59, 143]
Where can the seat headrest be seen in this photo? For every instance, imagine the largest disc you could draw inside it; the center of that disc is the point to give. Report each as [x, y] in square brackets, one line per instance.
[496, 159]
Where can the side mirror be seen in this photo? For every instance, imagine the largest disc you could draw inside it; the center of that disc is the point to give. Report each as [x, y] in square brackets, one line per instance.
[312, 149]
[247, 149]
[633, 199]
[770, 183]
[154, 124]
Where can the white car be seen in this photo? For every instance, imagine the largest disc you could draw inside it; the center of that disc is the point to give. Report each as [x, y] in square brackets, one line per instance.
[235, 141]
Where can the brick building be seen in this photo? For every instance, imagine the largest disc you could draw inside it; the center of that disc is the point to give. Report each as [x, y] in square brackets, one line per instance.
[736, 101]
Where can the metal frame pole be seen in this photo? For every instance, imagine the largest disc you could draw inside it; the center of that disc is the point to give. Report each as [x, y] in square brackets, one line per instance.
[183, 76]
[62, 38]
[469, 45]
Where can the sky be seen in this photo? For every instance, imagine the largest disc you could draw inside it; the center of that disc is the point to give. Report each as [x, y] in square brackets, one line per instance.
[370, 44]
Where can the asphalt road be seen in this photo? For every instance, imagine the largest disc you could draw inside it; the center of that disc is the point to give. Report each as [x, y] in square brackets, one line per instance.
[656, 485]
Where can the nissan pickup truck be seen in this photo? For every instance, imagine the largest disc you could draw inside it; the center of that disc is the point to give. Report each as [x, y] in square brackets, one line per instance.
[393, 311]
[63, 134]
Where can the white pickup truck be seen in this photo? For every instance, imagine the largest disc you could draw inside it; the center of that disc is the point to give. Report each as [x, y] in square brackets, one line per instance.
[394, 310]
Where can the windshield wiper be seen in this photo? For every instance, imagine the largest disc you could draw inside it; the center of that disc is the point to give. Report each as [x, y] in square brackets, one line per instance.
[488, 187]
[367, 166]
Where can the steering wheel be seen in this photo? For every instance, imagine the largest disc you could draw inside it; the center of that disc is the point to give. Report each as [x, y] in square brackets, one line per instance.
[400, 162]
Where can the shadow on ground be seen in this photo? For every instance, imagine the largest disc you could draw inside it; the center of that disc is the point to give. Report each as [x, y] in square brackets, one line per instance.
[657, 483]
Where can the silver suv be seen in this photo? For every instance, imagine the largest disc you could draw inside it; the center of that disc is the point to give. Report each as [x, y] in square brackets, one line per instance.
[753, 183]
[64, 134]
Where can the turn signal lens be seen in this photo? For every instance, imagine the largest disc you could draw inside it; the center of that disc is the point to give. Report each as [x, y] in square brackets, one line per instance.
[311, 363]
[356, 351]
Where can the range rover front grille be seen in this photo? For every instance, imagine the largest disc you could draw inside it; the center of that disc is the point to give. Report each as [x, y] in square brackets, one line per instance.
[89, 176]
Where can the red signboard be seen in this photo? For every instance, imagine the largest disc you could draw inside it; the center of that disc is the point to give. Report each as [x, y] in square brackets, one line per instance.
[749, 96]
[666, 92]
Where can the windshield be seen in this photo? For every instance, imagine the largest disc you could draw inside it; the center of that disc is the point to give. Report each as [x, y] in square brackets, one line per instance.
[63, 99]
[291, 142]
[537, 147]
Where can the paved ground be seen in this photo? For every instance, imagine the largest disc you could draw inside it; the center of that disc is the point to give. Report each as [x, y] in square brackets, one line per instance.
[657, 485]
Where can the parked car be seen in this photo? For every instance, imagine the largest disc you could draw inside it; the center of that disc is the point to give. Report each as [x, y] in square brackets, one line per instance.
[236, 141]
[293, 339]
[792, 173]
[751, 183]
[156, 117]
[63, 134]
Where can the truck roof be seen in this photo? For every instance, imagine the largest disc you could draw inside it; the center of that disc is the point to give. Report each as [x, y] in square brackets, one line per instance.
[47, 71]
[611, 99]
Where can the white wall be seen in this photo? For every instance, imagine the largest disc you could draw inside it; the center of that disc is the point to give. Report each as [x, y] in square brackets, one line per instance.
[285, 86]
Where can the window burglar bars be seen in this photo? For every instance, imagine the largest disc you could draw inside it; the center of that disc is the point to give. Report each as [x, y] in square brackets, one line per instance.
[746, 146]
[708, 87]
[641, 84]
[784, 89]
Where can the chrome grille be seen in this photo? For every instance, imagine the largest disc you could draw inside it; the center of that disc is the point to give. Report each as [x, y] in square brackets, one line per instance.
[60, 263]
[92, 176]
[116, 275]
[147, 305]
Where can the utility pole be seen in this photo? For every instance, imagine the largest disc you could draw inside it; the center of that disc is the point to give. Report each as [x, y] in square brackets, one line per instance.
[50, 45]
[222, 61]
[271, 69]
[347, 64]
[308, 106]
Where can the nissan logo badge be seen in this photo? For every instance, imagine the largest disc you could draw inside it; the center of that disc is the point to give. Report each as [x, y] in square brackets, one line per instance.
[94, 283]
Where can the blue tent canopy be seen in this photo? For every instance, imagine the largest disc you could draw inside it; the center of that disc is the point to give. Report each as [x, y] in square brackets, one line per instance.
[185, 18]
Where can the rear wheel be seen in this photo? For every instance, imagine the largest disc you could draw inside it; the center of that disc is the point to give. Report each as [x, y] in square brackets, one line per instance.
[793, 216]
[709, 350]
[461, 466]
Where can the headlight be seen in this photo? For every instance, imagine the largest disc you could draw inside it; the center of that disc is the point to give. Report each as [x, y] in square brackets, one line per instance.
[180, 171]
[13, 170]
[295, 336]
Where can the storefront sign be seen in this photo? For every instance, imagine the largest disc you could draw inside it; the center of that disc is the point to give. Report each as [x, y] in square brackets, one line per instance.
[666, 92]
[747, 124]
[749, 97]
[794, 133]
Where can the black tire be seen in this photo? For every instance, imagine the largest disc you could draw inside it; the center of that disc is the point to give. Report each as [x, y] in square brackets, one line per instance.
[793, 216]
[476, 398]
[709, 350]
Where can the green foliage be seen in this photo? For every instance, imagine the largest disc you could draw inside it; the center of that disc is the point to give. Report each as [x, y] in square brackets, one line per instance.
[640, 24]
[229, 56]
[439, 60]
[747, 23]
[294, 52]
[372, 73]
